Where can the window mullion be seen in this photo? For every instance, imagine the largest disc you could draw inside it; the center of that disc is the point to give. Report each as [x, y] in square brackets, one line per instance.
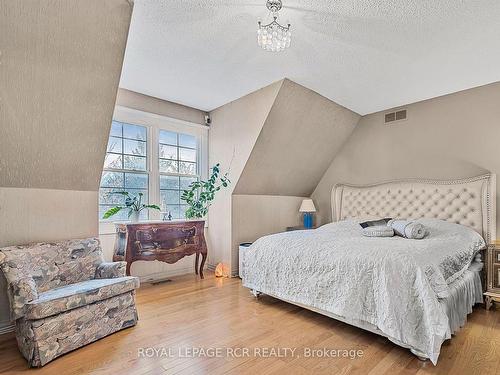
[154, 178]
[123, 157]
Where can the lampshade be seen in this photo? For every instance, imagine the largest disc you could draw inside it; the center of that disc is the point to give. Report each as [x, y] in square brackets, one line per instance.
[307, 206]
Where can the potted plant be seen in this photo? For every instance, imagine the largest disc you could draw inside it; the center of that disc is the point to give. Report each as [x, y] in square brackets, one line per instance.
[134, 205]
[200, 194]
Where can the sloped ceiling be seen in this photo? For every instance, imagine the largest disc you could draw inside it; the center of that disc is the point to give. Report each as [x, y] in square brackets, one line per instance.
[299, 139]
[367, 55]
[59, 73]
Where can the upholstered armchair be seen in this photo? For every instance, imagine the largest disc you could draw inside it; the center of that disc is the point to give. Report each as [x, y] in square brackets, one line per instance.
[63, 296]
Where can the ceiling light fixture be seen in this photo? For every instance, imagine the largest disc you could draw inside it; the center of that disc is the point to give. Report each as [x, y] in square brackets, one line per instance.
[273, 36]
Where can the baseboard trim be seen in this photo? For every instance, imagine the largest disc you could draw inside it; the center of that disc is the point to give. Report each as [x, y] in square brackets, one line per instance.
[211, 267]
[234, 273]
[165, 275]
[7, 328]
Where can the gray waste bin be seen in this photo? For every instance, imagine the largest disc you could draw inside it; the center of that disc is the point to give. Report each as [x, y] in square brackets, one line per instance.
[243, 247]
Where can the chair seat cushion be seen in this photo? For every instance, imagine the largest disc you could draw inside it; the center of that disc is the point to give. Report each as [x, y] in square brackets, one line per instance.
[71, 296]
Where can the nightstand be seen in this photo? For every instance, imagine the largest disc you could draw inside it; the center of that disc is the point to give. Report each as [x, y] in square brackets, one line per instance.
[493, 274]
[300, 227]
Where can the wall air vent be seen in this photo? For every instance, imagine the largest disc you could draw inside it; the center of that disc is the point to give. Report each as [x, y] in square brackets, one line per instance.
[395, 116]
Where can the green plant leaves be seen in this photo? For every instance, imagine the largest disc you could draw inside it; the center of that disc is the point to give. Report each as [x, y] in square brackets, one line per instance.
[200, 194]
[111, 212]
[119, 192]
[131, 202]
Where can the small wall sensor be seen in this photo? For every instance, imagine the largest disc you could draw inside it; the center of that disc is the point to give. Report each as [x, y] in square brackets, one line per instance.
[208, 120]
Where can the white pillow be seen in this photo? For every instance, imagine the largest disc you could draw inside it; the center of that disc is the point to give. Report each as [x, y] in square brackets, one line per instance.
[378, 231]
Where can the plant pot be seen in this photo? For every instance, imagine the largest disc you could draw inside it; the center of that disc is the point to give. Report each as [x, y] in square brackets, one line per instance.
[134, 217]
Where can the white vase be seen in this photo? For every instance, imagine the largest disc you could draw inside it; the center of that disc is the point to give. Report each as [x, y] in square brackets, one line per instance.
[134, 217]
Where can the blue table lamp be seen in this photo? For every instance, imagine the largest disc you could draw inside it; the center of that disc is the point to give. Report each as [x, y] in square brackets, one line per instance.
[307, 207]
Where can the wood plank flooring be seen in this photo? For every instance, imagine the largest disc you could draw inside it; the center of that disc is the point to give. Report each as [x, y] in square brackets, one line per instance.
[220, 313]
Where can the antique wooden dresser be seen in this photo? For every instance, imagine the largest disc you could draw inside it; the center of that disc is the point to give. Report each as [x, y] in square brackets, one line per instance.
[166, 241]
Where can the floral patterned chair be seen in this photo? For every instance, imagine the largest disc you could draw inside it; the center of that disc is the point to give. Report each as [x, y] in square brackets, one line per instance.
[63, 296]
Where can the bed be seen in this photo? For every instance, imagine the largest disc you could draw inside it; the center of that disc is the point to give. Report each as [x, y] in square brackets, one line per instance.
[417, 293]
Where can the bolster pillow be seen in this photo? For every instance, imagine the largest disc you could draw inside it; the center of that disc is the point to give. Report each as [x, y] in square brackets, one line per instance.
[408, 229]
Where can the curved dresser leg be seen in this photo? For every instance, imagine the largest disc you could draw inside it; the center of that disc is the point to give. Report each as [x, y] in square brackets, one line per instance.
[203, 259]
[196, 262]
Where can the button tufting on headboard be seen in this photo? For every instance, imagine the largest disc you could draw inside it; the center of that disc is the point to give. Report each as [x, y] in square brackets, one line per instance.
[470, 202]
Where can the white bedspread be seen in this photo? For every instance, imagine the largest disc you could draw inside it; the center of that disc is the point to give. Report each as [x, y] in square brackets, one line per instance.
[393, 283]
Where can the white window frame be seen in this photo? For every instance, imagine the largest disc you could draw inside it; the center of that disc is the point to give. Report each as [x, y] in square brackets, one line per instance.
[154, 123]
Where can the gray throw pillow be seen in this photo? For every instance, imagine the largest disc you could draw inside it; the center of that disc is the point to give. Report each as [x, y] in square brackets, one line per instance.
[375, 223]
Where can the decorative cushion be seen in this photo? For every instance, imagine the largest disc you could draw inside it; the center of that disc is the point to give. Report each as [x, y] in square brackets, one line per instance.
[375, 223]
[408, 229]
[378, 231]
[76, 295]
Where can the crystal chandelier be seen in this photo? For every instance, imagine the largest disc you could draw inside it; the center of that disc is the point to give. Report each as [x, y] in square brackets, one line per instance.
[273, 36]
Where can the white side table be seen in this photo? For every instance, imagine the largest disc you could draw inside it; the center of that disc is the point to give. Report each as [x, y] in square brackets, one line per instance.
[242, 248]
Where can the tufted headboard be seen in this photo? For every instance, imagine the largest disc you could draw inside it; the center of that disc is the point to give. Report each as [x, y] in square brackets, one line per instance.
[470, 201]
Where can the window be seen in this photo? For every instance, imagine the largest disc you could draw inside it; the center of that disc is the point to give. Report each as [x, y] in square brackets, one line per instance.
[153, 154]
[178, 167]
[125, 168]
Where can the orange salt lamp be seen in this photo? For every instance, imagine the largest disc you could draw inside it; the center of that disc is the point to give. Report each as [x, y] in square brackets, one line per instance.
[221, 270]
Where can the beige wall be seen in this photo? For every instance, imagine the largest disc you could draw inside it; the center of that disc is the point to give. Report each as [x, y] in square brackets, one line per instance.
[59, 73]
[451, 136]
[28, 215]
[254, 216]
[283, 138]
[150, 104]
[298, 141]
[234, 130]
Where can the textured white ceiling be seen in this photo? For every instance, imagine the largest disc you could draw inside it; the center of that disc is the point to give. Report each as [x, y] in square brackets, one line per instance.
[367, 55]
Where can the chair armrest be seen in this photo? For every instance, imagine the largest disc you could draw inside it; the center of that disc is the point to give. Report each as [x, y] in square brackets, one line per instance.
[20, 293]
[110, 270]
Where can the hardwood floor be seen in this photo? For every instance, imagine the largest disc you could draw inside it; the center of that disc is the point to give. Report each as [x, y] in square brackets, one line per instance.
[220, 313]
